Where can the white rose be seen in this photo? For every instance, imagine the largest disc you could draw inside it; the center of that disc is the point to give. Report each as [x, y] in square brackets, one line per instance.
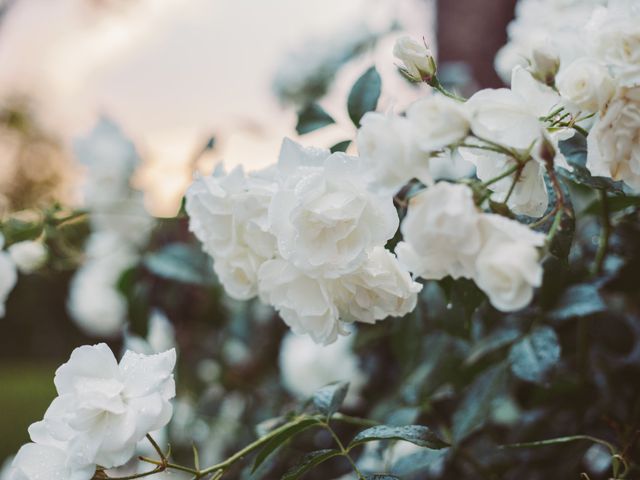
[417, 58]
[306, 366]
[160, 336]
[304, 303]
[614, 36]
[104, 408]
[8, 277]
[389, 153]
[510, 117]
[228, 213]
[28, 255]
[614, 140]
[441, 233]
[587, 84]
[380, 288]
[529, 195]
[438, 122]
[507, 267]
[35, 462]
[323, 216]
[238, 273]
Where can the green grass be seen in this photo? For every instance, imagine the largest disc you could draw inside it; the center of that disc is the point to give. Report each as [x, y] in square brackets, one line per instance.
[25, 393]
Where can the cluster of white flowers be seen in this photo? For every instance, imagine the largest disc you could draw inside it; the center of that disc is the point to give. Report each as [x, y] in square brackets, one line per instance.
[445, 234]
[597, 45]
[103, 409]
[308, 237]
[120, 225]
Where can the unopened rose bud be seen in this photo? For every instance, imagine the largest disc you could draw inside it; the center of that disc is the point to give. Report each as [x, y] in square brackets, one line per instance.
[544, 65]
[28, 255]
[417, 58]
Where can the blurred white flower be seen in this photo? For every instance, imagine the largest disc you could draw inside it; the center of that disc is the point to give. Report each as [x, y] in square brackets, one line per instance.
[380, 288]
[160, 336]
[614, 37]
[438, 122]
[613, 142]
[306, 366]
[544, 64]
[8, 276]
[586, 83]
[323, 216]
[104, 408]
[389, 153]
[39, 461]
[441, 233]
[28, 255]
[94, 302]
[507, 267]
[550, 24]
[416, 57]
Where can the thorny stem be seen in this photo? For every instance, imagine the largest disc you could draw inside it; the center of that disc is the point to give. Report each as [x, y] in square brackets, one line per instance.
[605, 232]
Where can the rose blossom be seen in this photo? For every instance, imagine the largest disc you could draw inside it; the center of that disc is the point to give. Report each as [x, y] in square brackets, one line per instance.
[417, 58]
[438, 122]
[104, 408]
[587, 84]
[389, 152]
[28, 255]
[614, 140]
[323, 216]
[507, 267]
[440, 232]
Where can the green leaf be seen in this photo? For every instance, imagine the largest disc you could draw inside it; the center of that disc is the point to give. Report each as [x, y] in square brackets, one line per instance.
[575, 151]
[418, 462]
[533, 357]
[416, 434]
[614, 204]
[364, 95]
[309, 461]
[312, 117]
[341, 146]
[330, 397]
[578, 301]
[381, 476]
[287, 433]
[492, 342]
[477, 403]
[180, 262]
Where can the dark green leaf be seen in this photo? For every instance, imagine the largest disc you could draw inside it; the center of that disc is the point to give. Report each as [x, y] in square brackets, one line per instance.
[416, 434]
[364, 95]
[309, 461]
[312, 117]
[330, 397]
[615, 204]
[578, 301]
[477, 403]
[287, 433]
[341, 146]
[180, 262]
[495, 341]
[575, 151]
[533, 357]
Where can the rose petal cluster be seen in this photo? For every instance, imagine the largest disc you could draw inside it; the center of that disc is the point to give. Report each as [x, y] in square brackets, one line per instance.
[308, 236]
[103, 409]
[8, 276]
[444, 234]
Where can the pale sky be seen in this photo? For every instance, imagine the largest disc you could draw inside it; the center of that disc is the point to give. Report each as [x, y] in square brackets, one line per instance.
[172, 73]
